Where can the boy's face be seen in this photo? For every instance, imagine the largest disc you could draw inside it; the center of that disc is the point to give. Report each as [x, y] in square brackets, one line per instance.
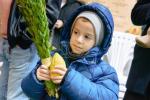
[82, 36]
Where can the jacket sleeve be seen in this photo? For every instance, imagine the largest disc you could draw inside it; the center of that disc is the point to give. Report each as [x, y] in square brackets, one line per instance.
[140, 14]
[32, 87]
[77, 87]
[67, 10]
[52, 9]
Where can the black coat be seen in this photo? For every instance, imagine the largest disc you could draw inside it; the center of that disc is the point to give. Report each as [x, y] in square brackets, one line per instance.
[17, 34]
[68, 8]
[64, 14]
[139, 76]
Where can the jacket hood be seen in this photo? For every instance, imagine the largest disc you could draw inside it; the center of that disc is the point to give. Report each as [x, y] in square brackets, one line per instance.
[106, 16]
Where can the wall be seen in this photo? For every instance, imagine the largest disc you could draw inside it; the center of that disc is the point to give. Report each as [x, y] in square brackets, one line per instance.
[121, 10]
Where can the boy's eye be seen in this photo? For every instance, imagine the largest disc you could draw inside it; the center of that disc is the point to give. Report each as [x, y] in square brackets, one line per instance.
[75, 32]
[87, 37]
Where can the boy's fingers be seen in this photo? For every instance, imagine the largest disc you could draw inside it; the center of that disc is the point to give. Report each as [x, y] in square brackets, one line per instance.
[43, 78]
[44, 71]
[60, 67]
[57, 78]
[57, 81]
[44, 67]
[57, 71]
[45, 75]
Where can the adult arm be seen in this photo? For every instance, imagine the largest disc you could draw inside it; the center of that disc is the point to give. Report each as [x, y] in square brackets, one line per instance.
[52, 9]
[140, 14]
[67, 10]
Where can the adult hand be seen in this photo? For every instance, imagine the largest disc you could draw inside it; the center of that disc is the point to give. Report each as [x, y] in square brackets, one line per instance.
[148, 30]
[59, 24]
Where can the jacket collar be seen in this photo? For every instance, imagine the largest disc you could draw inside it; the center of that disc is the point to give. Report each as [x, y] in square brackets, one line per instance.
[91, 57]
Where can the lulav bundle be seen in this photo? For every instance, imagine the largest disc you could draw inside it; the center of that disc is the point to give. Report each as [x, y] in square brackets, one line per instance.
[34, 13]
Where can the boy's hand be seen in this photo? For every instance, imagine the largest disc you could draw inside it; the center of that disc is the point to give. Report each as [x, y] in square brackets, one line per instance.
[43, 73]
[59, 24]
[58, 70]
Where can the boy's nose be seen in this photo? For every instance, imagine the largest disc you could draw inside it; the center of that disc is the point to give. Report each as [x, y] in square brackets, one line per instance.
[80, 39]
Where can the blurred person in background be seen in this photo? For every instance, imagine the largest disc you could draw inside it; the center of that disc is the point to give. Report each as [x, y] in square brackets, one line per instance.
[18, 53]
[66, 8]
[144, 40]
[138, 83]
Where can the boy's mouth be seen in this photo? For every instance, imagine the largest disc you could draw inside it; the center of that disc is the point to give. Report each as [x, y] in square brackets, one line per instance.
[77, 47]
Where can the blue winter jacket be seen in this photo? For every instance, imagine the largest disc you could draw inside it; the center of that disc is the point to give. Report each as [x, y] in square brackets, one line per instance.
[88, 77]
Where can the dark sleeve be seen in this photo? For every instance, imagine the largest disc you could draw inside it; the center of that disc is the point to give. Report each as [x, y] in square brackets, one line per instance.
[67, 10]
[140, 14]
[52, 9]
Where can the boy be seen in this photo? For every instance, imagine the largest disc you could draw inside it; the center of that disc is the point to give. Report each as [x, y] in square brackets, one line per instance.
[85, 38]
